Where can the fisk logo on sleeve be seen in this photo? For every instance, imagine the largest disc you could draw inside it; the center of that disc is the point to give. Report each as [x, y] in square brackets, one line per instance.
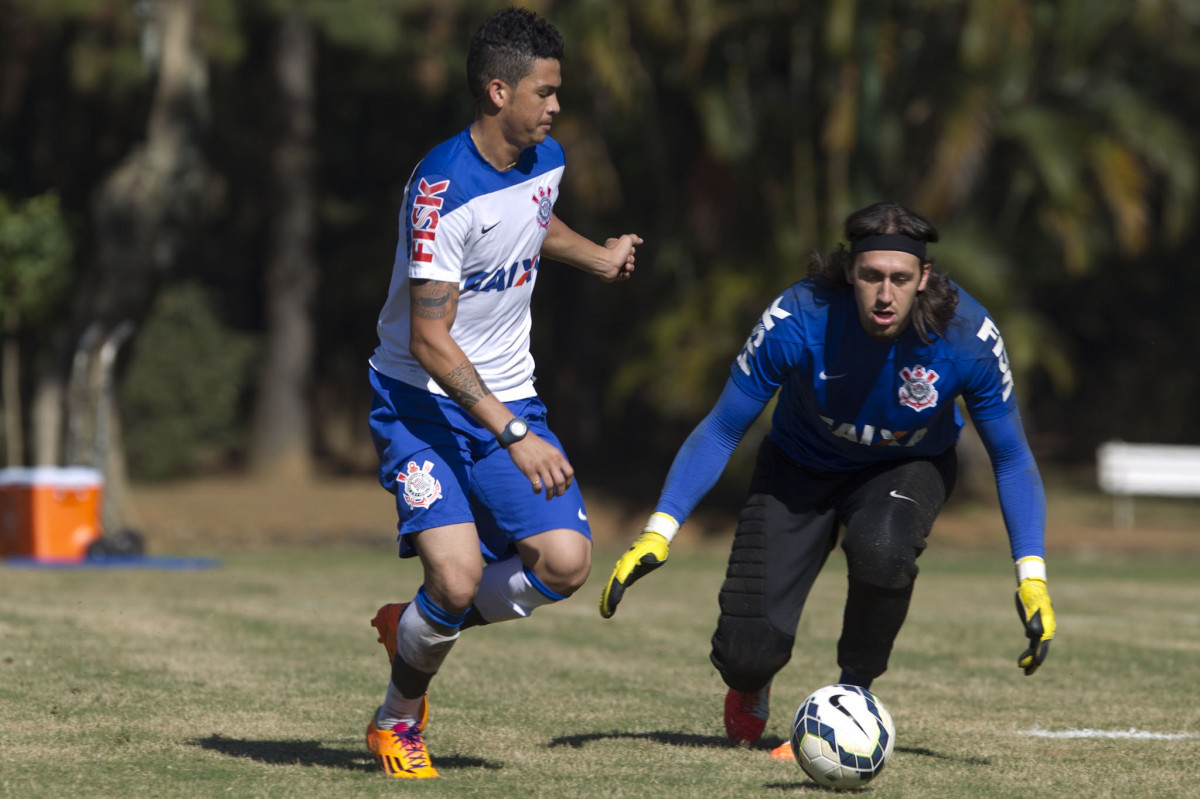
[987, 332]
[759, 332]
[424, 219]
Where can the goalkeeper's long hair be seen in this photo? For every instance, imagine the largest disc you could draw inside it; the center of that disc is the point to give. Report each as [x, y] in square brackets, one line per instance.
[936, 303]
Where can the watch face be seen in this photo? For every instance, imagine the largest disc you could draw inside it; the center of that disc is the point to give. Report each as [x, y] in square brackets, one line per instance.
[518, 427]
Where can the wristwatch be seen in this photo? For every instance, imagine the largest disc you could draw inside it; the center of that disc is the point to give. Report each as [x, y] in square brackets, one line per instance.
[514, 431]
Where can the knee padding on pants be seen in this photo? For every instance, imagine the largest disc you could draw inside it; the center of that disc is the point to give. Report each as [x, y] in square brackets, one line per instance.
[882, 551]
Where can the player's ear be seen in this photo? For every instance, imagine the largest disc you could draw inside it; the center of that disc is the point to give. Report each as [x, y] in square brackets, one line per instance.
[497, 92]
[850, 269]
[926, 267]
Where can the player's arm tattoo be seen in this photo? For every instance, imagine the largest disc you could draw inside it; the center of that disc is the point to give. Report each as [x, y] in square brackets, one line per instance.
[433, 299]
[464, 385]
[437, 300]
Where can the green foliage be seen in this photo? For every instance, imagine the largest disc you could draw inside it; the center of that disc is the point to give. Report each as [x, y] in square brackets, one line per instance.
[704, 326]
[35, 255]
[180, 400]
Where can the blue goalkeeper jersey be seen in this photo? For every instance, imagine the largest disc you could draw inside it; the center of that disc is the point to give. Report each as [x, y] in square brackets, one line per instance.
[847, 401]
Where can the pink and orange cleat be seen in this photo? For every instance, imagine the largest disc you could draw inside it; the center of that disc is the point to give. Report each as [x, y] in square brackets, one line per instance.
[400, 751]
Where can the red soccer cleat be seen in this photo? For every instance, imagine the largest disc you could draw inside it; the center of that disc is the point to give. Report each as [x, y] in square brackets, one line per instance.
[746, 714]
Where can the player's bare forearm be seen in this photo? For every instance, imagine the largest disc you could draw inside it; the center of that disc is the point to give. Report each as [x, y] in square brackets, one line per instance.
[434, 307]
[614, 260]
[463, 385]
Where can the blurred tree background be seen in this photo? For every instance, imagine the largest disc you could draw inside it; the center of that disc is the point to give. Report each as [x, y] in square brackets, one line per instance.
[199, 198]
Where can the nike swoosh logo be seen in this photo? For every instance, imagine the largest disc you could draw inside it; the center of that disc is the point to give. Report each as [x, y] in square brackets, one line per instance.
[898, 495]
[484, 230]
[836, 702]
[824, 376]
[582, 515]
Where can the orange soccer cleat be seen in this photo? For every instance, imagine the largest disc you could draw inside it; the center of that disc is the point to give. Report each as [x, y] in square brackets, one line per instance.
[400, 751]
[386, 620]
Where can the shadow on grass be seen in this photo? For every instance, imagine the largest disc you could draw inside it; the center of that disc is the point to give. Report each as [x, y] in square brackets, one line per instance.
[669, 738]
[765, 744]
[314, 753]
[809, 786]
[923, 752]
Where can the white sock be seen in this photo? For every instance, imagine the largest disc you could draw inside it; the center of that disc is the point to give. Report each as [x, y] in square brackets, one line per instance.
[423, 645]
[508, 590]
[396, 709]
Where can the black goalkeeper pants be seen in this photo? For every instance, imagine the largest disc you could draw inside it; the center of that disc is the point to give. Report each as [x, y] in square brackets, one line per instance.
[788, 526]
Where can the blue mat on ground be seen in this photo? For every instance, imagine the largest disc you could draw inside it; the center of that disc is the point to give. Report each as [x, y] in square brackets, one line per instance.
[165, 562]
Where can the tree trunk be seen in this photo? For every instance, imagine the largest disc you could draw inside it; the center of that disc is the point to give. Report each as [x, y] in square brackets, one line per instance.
[282, 439]
[12, 437]
[144, 213]
[47, 418]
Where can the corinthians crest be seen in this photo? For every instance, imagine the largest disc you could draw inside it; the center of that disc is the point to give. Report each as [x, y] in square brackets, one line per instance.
[421, 489]
[918, 392]
[545, 206]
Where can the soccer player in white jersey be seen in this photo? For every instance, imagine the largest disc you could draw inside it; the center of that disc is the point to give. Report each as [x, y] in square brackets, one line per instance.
[485, 495]
[867, 356]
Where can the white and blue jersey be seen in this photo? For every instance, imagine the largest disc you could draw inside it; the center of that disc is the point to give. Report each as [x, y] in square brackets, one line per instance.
[466, 222]
[847, 401]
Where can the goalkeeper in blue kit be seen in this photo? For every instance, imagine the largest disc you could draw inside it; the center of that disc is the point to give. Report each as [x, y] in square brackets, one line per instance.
[868, 355]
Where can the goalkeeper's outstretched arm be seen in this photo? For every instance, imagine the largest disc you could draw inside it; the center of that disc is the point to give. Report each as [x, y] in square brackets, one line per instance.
[693, 473]
[1023, 503]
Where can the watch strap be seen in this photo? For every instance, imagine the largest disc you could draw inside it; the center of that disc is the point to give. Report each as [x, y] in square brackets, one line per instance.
[509, 436]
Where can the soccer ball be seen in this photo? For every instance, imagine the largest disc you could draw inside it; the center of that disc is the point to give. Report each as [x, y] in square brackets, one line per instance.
[842, 736]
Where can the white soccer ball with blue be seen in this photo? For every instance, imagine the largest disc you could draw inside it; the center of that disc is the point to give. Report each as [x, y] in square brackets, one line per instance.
[842, 736]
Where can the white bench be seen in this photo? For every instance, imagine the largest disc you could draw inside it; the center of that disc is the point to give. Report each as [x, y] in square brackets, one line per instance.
[1162, 470]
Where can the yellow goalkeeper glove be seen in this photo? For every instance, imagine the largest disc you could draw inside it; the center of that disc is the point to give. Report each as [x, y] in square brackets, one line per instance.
[648, 552]
[1036, 612]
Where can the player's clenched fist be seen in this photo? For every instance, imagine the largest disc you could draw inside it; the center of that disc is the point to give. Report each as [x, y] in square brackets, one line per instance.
[648, 552]
[1036, 612]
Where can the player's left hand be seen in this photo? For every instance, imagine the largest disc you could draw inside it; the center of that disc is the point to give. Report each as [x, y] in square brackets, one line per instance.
[545, 465]
[647, 553]
[622, 251]
[1037, 614]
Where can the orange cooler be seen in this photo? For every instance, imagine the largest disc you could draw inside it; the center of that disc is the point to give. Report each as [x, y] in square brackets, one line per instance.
[49, 512]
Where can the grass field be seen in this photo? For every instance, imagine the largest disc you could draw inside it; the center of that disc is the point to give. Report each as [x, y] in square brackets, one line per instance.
[257, 679]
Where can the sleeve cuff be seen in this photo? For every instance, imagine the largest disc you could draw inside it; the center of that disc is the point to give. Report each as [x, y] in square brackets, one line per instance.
[663, 524]
[1031, 567]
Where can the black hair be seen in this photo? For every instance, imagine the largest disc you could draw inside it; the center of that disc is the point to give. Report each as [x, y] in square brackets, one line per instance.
[935, 305]
[505, 47]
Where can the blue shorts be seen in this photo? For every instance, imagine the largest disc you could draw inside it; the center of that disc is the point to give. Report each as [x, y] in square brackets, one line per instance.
[446, 468]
